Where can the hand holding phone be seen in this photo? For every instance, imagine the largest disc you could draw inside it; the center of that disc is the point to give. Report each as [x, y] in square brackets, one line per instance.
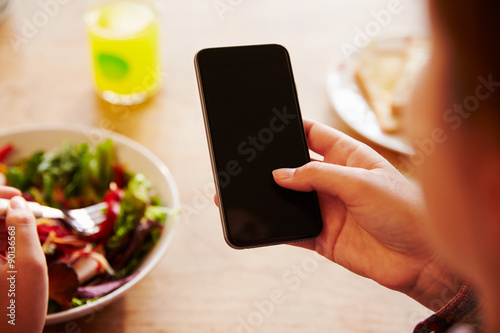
[254, 126]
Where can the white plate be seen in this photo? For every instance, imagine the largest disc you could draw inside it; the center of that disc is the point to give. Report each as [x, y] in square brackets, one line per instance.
[28, 139]
[352, 107]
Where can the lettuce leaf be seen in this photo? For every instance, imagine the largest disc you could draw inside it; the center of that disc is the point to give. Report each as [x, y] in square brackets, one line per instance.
[82, 172]
[132, 208]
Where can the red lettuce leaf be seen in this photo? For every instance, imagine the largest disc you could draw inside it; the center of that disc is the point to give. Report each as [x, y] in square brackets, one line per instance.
[100, 290]
[63, 283]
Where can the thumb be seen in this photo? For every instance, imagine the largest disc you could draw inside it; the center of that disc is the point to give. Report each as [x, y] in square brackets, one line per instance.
[332, 179]
[21, 221]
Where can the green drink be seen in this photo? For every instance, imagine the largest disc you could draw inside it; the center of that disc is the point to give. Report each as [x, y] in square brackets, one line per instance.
[123, 37]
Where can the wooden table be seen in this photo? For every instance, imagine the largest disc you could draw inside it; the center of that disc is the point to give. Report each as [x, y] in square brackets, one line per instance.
[202, 285]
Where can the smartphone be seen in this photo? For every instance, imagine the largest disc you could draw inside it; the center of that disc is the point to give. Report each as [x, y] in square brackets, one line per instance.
[253, 125]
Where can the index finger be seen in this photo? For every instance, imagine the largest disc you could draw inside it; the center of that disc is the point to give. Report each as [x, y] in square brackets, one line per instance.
[323, 140]
[8, 192]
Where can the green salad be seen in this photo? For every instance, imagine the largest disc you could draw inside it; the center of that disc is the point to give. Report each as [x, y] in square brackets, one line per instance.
[84, 268]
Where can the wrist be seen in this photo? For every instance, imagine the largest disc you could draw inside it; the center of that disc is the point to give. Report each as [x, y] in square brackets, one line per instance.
[435, 286]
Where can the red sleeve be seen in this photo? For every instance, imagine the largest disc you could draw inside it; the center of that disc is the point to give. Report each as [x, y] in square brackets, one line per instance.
[463, 308]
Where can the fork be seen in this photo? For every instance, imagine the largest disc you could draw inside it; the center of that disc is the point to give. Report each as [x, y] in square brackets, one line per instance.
[85, 221]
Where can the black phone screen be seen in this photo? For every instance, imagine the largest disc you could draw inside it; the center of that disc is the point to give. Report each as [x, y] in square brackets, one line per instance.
[254, 126]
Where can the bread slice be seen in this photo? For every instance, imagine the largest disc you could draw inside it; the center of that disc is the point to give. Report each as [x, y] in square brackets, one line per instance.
[417, 56]
[385, 74]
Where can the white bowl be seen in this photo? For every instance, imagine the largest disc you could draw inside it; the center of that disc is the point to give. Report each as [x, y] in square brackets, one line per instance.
[29, 139]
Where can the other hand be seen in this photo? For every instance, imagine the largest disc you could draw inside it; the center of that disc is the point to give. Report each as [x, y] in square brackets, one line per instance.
[23, 269]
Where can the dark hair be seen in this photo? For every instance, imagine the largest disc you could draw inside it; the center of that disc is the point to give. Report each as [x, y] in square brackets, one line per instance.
[472, 31]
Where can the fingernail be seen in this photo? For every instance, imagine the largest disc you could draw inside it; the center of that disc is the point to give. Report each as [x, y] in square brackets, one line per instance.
[283, 173]
[18, 202]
